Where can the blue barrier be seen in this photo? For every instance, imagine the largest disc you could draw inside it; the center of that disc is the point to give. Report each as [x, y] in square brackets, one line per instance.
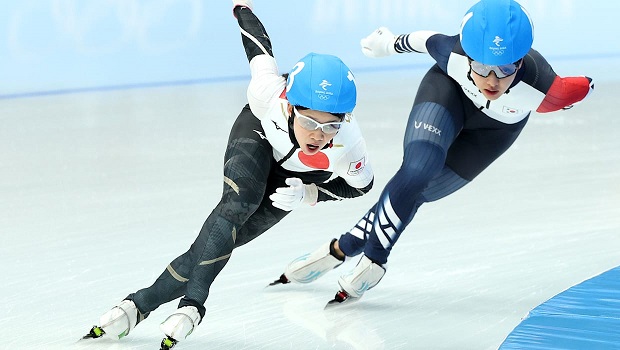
[586, 316]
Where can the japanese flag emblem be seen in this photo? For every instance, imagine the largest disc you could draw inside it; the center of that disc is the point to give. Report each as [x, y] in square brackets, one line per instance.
[356, 167]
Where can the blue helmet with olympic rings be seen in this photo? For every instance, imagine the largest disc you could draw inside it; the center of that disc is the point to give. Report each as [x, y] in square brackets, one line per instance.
[322, 83]
[496, 32]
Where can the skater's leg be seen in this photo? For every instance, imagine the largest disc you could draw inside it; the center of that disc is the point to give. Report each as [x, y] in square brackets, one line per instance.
[425, 150]
[247, 167]
[435, 120]
[247, 163]
[171, 284]
[353, 242]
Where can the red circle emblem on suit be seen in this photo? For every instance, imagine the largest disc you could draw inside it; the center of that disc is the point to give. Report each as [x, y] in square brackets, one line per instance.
[316, 161]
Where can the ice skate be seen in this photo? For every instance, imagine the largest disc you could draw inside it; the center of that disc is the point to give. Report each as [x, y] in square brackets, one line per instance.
[179, 326]
[309, 267]
[354, 284]
[117, 322]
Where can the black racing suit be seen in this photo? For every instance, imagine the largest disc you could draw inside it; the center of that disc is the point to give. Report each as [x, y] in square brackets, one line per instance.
[251, 174]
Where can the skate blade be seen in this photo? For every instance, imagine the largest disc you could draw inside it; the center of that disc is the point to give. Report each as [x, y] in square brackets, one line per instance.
[281, 280]
[341, 299]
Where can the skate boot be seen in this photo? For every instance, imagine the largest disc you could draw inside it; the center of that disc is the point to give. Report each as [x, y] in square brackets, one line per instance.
[179, 325]
[117, 322]
[363, 277]
[309, 267]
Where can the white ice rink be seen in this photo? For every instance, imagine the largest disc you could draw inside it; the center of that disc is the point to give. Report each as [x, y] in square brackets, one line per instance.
[100, 190]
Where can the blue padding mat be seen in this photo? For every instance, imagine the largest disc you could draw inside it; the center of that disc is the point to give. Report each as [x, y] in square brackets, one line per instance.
[586, 316]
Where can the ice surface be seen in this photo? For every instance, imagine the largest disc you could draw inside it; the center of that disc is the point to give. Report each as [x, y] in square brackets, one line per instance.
[101, 190]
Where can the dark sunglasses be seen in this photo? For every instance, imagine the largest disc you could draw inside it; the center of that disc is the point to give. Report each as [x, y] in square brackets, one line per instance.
[503, 71]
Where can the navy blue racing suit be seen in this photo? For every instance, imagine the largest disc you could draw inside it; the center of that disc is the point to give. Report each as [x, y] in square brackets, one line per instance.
[454, 133]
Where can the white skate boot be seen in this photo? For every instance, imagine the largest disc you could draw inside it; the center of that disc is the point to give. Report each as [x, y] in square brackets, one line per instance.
[179, 325]
[117, 322]
[363, 277]
[309, 267]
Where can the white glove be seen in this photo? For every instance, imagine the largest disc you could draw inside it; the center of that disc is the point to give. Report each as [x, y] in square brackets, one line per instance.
[246, 3]
[379, 43]
[296, 194]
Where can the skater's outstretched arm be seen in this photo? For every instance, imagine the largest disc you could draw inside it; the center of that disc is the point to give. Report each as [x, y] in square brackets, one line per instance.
[253, 34]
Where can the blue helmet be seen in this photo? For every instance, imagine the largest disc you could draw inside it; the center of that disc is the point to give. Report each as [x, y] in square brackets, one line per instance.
[497, 32]
[323, 83]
